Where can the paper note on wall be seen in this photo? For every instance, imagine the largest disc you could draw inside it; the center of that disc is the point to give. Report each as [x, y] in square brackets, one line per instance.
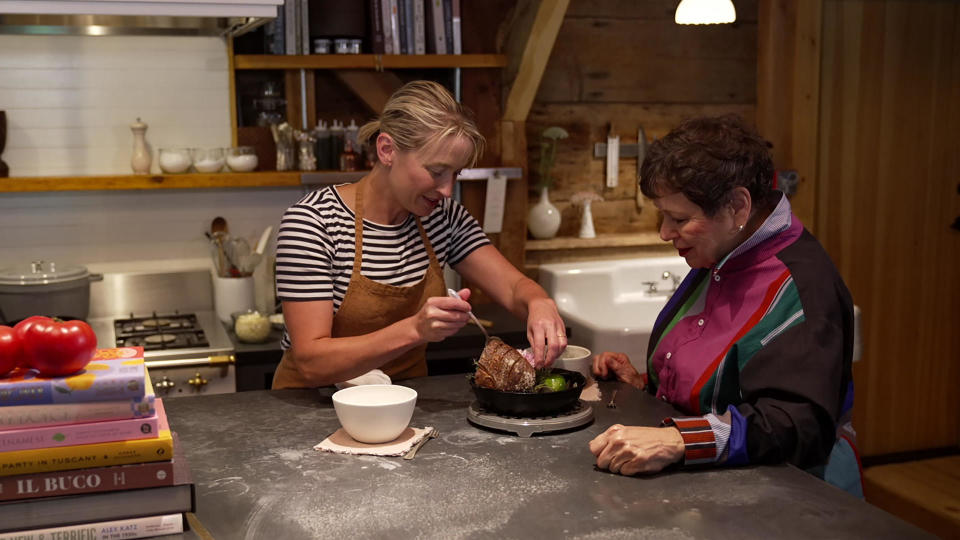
[613, 160]
[496, 197]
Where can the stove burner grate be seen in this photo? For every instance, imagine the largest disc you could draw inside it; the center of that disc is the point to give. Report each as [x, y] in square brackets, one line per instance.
[580, 415]
[160, 332]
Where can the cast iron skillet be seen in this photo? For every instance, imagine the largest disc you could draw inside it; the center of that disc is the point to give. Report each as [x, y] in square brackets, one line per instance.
[531, 404]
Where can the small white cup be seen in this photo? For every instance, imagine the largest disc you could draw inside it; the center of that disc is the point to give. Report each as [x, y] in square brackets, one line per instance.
[232, 294]
[575, 358]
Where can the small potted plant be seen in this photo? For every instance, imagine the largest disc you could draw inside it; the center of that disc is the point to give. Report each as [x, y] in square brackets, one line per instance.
[583, 200]
[544, 218]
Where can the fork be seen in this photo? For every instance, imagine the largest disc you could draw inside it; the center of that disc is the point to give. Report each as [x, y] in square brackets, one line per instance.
[612, 404]
[432, 434]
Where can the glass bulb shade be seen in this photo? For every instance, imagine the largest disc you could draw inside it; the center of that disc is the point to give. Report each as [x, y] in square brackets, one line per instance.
[705, 12]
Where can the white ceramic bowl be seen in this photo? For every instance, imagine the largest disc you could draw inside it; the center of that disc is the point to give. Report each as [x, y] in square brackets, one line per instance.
[575, 358]
[375, 413]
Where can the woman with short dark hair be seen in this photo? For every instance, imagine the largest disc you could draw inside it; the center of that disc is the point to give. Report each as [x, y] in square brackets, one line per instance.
[756, 343]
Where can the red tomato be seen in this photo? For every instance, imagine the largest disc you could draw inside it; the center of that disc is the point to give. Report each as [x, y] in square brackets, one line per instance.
[21, 328]
[11, 351]
[54, 347]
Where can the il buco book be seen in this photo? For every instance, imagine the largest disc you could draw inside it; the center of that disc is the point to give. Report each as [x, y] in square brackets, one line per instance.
[27, 514]
[113, 374]
[82, 456]
[142, 527]
[94, 480]
[56, 414]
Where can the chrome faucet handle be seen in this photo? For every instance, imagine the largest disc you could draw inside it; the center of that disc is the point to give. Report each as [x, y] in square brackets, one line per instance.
[675, 278]
[651, 286]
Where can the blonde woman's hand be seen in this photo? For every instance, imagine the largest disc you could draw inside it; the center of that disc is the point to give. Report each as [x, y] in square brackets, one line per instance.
[442, 316]
[545, 332]
[614, 364]
[630, 450]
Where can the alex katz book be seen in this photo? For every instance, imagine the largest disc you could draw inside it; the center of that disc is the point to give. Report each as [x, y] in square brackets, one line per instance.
[143, 527]
[55, 414]
[82, 456]
[95, 480]
[26, 514]
[113, 374]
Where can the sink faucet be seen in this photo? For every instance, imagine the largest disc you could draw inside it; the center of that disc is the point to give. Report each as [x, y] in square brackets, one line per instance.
[675, 278]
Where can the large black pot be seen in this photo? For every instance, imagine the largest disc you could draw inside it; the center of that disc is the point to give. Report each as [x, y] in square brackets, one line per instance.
[45, 288]
[530, 404]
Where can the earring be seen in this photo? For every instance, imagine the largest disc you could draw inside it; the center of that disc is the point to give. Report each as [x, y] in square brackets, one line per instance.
[740, 228]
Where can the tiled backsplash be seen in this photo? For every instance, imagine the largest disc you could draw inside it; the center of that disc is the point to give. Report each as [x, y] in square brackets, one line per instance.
[70, 100]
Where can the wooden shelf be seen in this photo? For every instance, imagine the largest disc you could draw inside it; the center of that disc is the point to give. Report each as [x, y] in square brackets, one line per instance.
[151, 181]
[368, 61]
[601, 241]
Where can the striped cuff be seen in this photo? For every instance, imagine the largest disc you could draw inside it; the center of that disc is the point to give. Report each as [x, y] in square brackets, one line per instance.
[700, 445]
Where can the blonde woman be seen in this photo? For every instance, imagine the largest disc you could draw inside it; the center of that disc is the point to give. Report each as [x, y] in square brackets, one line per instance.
[359, 266]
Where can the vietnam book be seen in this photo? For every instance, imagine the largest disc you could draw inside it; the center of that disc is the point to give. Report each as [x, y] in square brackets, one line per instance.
[32, 416]
[26, 514]
[141, 527]
[95, 480]
[113, 374]
[82, 456]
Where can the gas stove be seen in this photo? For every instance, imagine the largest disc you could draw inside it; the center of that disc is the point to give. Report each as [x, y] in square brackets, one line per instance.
[186, 348]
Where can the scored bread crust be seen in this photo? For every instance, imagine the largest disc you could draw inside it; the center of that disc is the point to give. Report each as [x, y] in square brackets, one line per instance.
[501, 367]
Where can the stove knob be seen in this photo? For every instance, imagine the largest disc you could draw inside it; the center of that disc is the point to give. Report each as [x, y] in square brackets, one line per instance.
[198, 381]
[165, 384]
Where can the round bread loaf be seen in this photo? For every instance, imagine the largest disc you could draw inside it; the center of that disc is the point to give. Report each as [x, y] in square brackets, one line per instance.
[501, 367]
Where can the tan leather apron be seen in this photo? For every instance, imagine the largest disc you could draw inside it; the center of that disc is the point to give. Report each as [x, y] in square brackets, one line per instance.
[369, 306]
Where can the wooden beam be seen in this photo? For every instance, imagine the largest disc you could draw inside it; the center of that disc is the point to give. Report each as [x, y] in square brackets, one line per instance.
[533, 59]
[234, 122]
[372, 87]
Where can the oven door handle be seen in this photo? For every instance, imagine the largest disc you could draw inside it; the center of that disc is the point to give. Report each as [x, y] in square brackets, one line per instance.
[217, 360]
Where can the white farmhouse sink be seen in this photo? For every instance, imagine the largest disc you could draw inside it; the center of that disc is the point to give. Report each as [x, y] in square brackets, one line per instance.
[607, 305]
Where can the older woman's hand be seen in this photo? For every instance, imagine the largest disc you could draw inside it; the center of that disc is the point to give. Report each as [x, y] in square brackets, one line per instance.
[613, 364]
[545, 331]
[630, 450]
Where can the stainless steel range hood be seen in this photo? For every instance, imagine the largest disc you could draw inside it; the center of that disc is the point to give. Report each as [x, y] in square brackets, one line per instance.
[134, 17]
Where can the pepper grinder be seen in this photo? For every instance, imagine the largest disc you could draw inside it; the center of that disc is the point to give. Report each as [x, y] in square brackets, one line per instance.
[141, 154]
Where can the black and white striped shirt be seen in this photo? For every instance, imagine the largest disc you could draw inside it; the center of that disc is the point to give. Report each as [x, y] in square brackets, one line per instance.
[315, 247]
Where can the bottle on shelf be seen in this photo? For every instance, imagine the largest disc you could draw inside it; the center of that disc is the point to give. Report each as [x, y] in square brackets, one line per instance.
[349, 159]
[337, 135]
[322, 133]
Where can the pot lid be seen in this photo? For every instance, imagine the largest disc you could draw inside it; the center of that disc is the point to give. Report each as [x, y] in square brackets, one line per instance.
[41, 273]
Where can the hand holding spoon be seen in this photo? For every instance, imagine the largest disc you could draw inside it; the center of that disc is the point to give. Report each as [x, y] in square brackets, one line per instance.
[453, 294]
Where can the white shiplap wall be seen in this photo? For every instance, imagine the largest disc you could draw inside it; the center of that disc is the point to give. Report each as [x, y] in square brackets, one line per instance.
[70, 101]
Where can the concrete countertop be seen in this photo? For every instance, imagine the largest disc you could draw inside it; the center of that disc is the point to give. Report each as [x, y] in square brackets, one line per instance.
[258, 476]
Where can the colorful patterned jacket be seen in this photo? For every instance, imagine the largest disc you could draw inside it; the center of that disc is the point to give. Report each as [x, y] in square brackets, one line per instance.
[759, 348]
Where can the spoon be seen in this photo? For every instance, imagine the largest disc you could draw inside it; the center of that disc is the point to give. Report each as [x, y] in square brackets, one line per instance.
[453, 294]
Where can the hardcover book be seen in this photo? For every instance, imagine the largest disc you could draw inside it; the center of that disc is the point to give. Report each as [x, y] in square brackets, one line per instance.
[107, 377]
[104, 506]
[436, 36]
[95, 480]
[419, 30]
[23, 416]
[84, 456]
[78, 433]
[143, 527]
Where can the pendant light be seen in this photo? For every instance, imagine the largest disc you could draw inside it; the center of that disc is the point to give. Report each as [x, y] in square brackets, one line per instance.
[705, 12]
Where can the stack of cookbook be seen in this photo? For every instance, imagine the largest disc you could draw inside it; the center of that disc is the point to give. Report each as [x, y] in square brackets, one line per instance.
[89, 455]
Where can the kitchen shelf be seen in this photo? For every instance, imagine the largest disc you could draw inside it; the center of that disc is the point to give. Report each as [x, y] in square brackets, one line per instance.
[601, 241]
[368, 61]
[150, 181]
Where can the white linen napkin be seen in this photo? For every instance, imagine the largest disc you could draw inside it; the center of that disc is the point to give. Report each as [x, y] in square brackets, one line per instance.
[374, 376]
[342, 443]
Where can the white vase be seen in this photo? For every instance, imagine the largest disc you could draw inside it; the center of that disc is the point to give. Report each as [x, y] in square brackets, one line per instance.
[586, 222]
[140, 162]
[544, 218]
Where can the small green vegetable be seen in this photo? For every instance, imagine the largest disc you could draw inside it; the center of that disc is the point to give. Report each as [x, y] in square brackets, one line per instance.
[551, 383]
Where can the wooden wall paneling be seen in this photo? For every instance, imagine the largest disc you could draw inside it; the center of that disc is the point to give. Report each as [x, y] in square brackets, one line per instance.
[231, 74]
[888, 193]
[635, 60]
[788, 90]
[291, 86]
[662, 10]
